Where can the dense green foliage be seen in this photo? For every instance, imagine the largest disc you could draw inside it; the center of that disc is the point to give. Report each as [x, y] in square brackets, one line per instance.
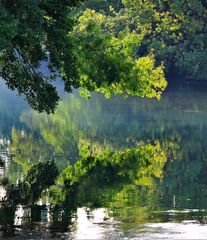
[32, 32]
[175, 31]
[106, 58]
[114, 47]
[39, 33]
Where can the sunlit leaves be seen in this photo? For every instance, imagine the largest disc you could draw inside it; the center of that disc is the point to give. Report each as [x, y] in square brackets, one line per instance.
[107, 61]
[175, 30]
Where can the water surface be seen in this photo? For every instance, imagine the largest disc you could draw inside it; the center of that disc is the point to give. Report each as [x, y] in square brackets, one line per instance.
[173, 207]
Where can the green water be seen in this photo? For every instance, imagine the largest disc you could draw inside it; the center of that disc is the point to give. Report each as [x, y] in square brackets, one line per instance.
[173, 207]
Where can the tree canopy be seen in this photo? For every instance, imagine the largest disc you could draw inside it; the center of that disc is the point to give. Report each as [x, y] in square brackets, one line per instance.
[37, 32]
[32, 32]
[113, 47]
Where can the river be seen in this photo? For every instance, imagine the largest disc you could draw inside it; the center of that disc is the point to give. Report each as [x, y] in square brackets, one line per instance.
[174, 206]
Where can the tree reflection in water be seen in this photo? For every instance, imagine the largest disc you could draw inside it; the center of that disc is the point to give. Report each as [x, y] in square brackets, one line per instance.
[98, 133]
[92, 181]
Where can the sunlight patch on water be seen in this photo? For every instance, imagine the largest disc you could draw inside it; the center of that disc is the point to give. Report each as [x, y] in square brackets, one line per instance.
[184, 211]
[185, 230]
[19, 215]
[2, 190]
[93, 225]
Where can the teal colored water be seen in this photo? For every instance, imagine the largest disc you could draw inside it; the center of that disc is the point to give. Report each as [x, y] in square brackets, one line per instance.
[173, 207]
